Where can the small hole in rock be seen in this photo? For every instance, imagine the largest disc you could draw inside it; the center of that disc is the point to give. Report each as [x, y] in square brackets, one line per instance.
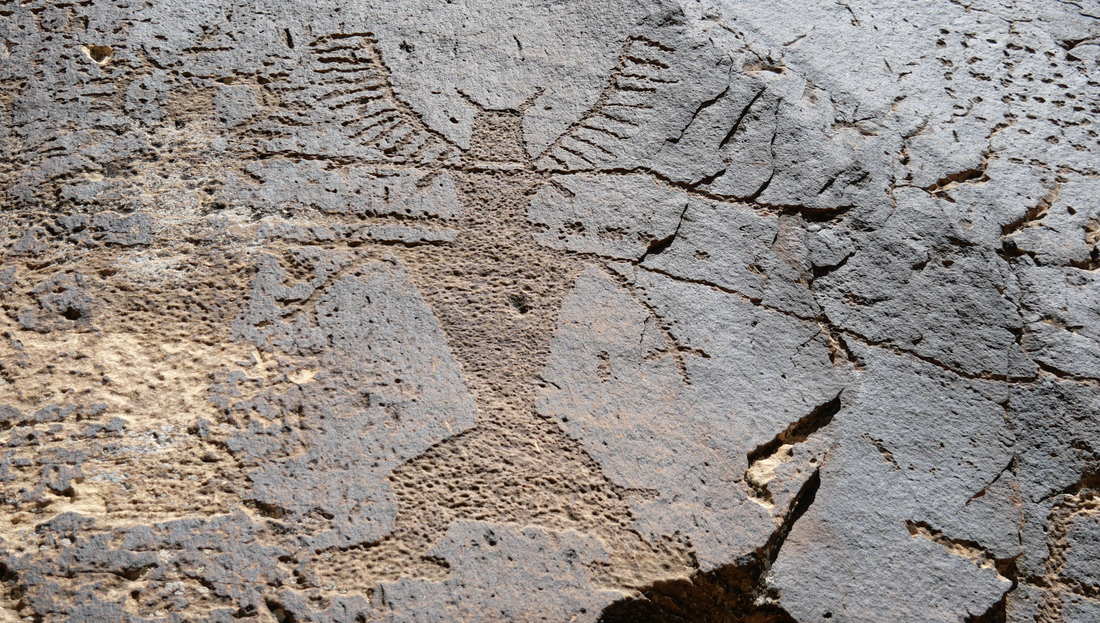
[99, 54]
[71, 313]
[520, 302]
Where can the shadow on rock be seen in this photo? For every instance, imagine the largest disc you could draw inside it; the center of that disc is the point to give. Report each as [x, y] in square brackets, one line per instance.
[734, 593]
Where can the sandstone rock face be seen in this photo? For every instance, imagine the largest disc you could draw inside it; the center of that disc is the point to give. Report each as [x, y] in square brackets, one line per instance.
[533, 310]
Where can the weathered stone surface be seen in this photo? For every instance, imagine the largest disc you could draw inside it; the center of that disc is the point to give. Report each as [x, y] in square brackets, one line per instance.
[1061, 311]
[679, 415]
[1079, 610]
[1068, 228]
[916, 285]
[503, 573]
[1083, 554]
[931, 526]
[600, 214]
[631, 310]
[374, 386]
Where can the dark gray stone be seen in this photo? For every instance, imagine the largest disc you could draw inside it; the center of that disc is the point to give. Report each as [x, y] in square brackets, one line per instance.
[668, 406]
[505, 573]
[1082, 563]
[383, 389]
[1077, 609]
[896, 493]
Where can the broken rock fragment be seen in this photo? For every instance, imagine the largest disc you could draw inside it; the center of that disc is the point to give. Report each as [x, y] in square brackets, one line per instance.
[900, 505]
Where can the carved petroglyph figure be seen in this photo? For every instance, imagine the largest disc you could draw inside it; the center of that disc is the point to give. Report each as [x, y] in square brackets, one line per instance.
[529, 310]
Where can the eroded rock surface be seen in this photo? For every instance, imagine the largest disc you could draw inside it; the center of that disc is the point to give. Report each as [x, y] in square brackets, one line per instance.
[644, 310]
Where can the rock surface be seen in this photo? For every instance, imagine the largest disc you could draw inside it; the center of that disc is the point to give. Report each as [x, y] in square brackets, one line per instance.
[631, 310]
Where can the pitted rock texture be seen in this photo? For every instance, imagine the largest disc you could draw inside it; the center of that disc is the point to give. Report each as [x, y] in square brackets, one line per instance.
[531, 310]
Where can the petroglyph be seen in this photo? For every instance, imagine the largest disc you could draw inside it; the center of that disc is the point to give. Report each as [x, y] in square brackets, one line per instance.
[639, 310]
